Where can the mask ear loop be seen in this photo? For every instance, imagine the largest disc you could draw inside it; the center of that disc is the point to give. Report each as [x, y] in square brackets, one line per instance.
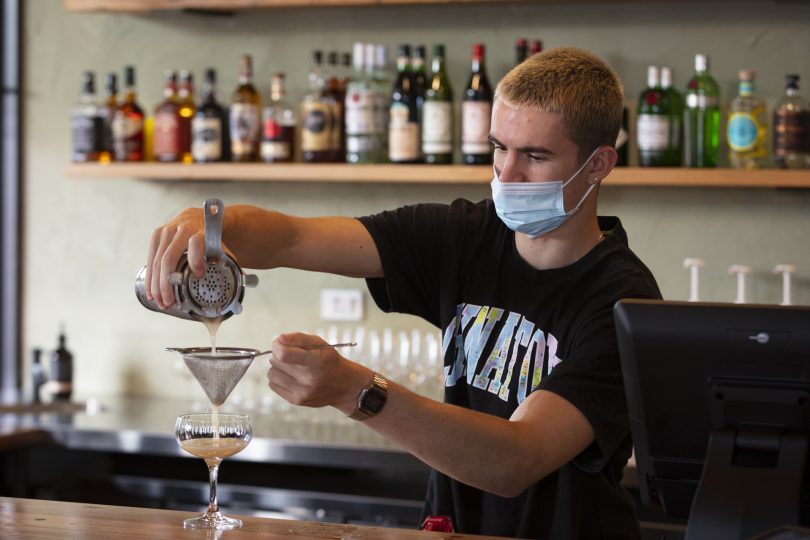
[578, 170]
[588, 192]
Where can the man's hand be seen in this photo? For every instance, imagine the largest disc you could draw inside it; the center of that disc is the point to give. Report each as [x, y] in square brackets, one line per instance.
[317, 377]
[166, 245]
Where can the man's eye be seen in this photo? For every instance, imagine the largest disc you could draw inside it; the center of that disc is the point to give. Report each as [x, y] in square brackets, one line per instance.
[498, 147]
[536, 157]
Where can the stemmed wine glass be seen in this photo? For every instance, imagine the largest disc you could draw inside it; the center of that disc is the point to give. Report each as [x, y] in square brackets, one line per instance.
[213, 437]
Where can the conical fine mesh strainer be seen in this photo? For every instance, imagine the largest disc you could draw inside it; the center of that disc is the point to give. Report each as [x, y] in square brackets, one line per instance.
[218, 372]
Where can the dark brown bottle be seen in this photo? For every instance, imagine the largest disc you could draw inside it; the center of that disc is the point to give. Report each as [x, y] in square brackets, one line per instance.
[166, 136]
[62, 371]
[127, 124]
[476, 112]
[186, 109]
[245, 115]
[317, 117]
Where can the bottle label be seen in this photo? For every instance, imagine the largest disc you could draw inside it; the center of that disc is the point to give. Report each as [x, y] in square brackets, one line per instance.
[475, 118]
[277, 143]
[652, 132]
[244, 128]
[700, 101]
[87, 134]
[165, 141]
[791, 132]
[127, 135]
[360, 107]
[742, 132]
[316, 132]
[437, 127]
[206, 139]
[403, 135]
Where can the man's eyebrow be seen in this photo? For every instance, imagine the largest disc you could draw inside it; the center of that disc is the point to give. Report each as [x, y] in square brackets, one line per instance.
[524, 149]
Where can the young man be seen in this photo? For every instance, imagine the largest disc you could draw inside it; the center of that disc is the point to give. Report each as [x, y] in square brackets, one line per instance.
[533, 435]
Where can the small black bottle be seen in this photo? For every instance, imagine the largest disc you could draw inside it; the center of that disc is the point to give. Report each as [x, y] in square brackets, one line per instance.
[37, 376]
[62, 371]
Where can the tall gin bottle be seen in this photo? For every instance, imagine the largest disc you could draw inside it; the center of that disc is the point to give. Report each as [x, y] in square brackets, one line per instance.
[747, 126]
[701, 119]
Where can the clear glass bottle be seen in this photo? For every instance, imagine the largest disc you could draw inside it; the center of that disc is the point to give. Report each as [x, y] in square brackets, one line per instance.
[85, 122]
[674, 155]
[336, 87]
[317, 117]
[382, 83]
[791, 128]
[420, 84]
[747, 128]
[701, 118]
[245, 115]
[362, 140]
[437, 122]
[208, 133]
[278, 125]
[127, 124]
[653, 122]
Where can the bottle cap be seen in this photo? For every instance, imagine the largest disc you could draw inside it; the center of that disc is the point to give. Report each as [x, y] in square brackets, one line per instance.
[210, 75]
[701, 62]
[666, 77]
[521, 42]
[537, 46]
[404, 50]
[478, 50]
[358, 53]
[112, 82]
[792, 81]
[438, 50]
[747, 74]
[129, 75]
[652, 76]
[419, 51]
[88, 82]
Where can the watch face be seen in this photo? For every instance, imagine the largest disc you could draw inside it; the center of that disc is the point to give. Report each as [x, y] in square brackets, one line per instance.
[373, 400]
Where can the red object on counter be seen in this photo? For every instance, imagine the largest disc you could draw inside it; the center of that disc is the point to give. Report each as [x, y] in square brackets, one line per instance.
[437, 524]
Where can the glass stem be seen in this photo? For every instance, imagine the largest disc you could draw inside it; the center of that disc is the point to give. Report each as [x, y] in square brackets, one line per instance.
[212, 498]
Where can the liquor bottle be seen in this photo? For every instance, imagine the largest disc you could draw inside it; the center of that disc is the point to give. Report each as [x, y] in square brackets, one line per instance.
[674, 156]
[362, 141]
[621, 141]
[317, 117]
[61, 372]
[382, 86]
[536, 47]
[86, 123]
[336, 86]
[701, 120]
[166, 131]
[521, 50]
[791, 128]
[208, 141]
[437, 124]
[245, 115]
[186, 110]
[127, 124]
[476, 113]
[747, 126]
[107, 111]
[653, 122]
[420, 85]
[403, 129]
[278, 125]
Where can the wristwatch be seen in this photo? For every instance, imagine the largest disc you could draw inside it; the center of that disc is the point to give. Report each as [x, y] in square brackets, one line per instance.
[371, 399]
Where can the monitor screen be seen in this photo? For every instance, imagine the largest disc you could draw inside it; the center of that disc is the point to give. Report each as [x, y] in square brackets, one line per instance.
[718, 397]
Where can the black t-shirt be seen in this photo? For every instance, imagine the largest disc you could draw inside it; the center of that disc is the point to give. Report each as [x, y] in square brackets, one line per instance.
[509, 329]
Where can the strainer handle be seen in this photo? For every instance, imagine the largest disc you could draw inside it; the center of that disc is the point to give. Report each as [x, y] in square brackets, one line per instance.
[214, 212]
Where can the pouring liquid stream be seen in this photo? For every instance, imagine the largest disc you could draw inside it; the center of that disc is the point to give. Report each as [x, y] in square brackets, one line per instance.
[212, 325]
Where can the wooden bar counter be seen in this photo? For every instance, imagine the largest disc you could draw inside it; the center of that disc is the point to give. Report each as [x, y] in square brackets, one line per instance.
[52, 520]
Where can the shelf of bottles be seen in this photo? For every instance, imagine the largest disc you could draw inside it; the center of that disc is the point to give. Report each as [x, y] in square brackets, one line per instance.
[426, 174]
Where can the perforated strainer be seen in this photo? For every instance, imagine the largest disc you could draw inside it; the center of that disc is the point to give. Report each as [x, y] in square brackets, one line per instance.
[219, 372]
[219, 293]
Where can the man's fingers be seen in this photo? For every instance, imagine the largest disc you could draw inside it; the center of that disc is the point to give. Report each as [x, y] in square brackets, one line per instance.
[154, 240]
[196, 254]
[166, 236]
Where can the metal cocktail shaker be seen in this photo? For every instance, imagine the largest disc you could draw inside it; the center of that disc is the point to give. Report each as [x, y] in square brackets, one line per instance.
[220, 291]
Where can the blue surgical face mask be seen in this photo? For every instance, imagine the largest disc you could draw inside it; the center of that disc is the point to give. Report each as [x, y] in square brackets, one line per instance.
[534, 208]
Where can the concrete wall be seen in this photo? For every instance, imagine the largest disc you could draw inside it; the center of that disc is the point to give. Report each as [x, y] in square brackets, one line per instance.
[85, 239]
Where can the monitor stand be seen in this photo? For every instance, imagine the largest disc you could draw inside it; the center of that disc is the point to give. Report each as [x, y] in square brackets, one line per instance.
[751, 483]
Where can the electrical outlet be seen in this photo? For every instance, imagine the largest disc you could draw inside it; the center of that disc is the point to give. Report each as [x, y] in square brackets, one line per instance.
[341, 305]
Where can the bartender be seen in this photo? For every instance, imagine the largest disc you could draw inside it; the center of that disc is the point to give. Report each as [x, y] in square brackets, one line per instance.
[533, 434]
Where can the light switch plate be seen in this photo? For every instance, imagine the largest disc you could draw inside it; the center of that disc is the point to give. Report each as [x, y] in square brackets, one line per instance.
[342, 305]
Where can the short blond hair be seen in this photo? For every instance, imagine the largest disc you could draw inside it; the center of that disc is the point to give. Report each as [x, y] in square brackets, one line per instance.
[574, 82]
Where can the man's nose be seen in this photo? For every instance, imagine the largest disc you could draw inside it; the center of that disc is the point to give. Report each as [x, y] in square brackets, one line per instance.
[511, 169]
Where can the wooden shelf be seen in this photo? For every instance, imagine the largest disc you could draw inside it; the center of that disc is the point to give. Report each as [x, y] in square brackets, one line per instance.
[426, 174]
[235, 5]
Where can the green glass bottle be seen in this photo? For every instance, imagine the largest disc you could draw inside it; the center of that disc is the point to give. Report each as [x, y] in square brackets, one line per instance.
[437, 124]
[747, 129]
[653, 123]
[701, 119]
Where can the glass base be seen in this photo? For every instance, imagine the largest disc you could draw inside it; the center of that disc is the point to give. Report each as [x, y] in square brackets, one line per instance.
[212, 520]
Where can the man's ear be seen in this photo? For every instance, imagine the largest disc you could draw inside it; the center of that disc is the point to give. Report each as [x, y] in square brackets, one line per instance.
[602, 163]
